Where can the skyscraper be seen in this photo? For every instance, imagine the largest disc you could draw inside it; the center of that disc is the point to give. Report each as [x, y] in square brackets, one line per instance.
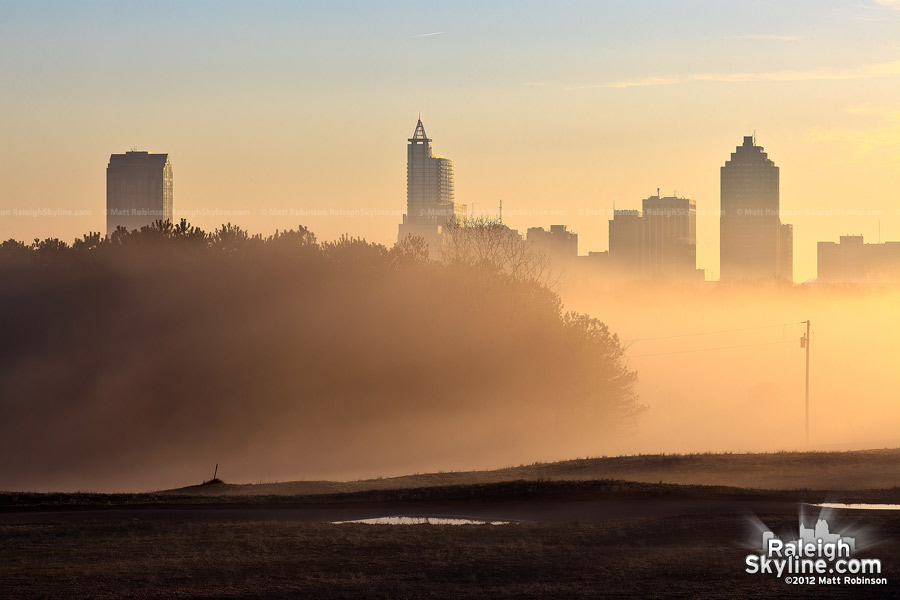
[429, 191]
[138, 190]
[786, 252]
[670, 236]
[626, 241]
[657, 242]
[754, 244]
[559, 243]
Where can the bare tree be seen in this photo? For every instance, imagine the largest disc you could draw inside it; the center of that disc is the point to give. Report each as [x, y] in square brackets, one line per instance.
[489, 244]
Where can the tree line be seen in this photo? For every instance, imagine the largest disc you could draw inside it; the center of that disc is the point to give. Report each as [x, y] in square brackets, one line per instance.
[173, 345]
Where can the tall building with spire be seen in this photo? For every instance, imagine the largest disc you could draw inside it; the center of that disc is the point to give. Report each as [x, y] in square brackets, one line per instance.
[138, 190]
[429, 191]
[753, 242]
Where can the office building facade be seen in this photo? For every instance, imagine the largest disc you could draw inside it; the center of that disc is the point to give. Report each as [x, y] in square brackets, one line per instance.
[657, 242]
[754, 244]
[430, 201]
[559, 243]
[853, 261]
[670, 236]
[626, 241]
[138, 190]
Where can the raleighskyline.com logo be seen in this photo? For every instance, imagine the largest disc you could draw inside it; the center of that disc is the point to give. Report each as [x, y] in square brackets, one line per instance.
[817, 557]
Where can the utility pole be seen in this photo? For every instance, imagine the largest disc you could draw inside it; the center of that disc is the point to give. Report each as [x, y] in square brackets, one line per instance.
[804, 343]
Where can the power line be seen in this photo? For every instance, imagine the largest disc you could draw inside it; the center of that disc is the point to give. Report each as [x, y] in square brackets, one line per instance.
[668, 337]
[706, 349]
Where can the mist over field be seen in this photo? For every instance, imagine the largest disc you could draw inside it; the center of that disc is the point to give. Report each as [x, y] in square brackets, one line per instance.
[144, 364]
[141, 363]
[740, 387]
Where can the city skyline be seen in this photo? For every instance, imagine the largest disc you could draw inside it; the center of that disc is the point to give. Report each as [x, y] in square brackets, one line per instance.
[656, 242]
[561, 112]
[613, 284]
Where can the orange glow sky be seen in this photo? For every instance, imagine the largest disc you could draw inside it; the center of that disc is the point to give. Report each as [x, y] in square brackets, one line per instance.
[282, 113]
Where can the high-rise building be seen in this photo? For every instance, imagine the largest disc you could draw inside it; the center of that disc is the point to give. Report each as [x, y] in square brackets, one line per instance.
[754, 244]
[658, 242]
[853, 261]
[786, 252]
[429, 191]
[670, 237]
[626, 241]
[558, 243]
[138, 190]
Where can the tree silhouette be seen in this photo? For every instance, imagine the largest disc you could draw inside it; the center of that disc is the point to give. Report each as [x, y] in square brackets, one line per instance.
[186, 233]
[355, 252]
[14, 251]
[292, 336]
[230, 239]
[411, 250]
[483, 313]
[301, 239]
[89, 241]
[490, 245]
[49, 249]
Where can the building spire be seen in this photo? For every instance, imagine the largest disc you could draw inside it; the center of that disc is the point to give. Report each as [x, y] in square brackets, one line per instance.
[419, 135]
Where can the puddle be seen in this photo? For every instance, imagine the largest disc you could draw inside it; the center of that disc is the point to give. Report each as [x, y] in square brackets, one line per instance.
[859, 506]
[422, 521]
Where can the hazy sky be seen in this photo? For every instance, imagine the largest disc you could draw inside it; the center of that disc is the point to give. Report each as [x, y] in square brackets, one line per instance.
[559, 108]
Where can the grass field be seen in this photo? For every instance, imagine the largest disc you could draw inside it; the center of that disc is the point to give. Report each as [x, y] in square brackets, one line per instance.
[687, 557]
[590, 537]
[864, 469]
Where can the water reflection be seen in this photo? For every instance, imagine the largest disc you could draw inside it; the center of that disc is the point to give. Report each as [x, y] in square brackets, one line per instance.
[422, 521]
[859, 506]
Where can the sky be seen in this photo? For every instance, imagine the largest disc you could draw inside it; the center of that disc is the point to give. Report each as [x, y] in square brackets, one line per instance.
[279, 113]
